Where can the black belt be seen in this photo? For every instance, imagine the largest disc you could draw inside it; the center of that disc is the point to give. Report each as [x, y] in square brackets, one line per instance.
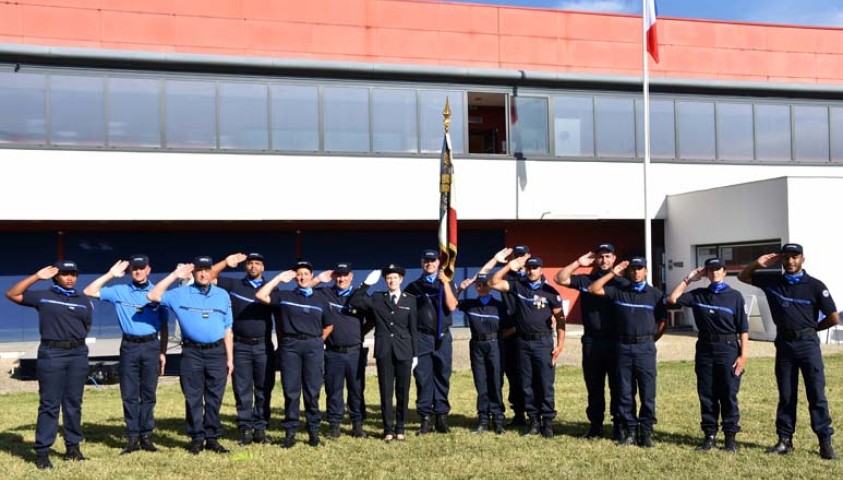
[601, 335]
[201, 346]
[796, 334]
[301, 336]
[631, 339]
[432, 333]
[487, 337]
[534, 336]
[63, 344]
[718, 337]
[343, 348]
[250, 340]
[143, 339]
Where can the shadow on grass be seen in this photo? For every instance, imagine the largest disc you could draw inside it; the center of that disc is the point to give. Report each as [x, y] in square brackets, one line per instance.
[13, 443]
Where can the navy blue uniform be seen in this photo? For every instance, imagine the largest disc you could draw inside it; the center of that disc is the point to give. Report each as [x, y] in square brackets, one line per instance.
[509, 349]
[254, 359]
[204, 315]
[796, 308]
[485, 315]
[302, 355]
[534, 326]
[140, 352]
[64, 320]
[599, 348]
[720, 314]
[638, 315]
[345, 359]
[433, 372]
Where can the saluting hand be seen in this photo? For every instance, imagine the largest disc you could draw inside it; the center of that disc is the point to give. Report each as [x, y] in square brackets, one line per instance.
[235, 259]
[502, 255]
[325, 276]
[557, 352]
[619, 268]
[586, 260]
[286, 276]
[467, 282]
[518, 263]
[373, 277]
[47, 273]
[768, 260]
[696, 274]
[183, 271]
[118, 269]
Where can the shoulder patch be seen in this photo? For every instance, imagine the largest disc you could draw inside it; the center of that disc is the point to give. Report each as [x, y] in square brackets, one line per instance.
[826, 294]
[559, 298]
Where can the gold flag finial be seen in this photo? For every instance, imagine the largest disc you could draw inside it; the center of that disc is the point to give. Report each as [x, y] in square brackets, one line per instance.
[447, 114]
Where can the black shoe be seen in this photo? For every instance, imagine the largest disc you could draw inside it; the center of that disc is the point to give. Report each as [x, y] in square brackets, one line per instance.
[547, 430]
[499, 428]
[618, 433]
[313, 438]
[196, 446]
[289, 440]
[517, 421]
[334, 431]
[73, 454]
[357, 430]
[731, 444]
[132, 445]
[827, 450]
[213, 445]
[627, 439]
[783, 447]
[146, 444]
[442, 423]
[707, 443]
[246, 437]
[480, 428]
[646, 440]
[42, 461]
[426, 425]
[259, 436]
[535, 428]
[593, 433]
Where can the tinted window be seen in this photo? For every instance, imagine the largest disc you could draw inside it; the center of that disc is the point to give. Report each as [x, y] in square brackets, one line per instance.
[431, 105]
[394, 116]
[696, 130]
[346, 119]
[77, 115]
[573, 126]
[810, 128]
[23, 108]
[662, 131]
[529, 132]
[191, 114]
[134, 112]
[243, 116]
[615, 127]
[734, 131]
[772, 132]
[295, 117]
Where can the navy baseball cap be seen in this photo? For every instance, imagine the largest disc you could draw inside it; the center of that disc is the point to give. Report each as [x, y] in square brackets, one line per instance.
[303, 264]
[604, 247]
[342, 267]
[638, 262]
[66, 266]
[715, 263]
[254, 256]
[792, 249]
[138, 260]
[520, 250]
[202, 261]
[533, 262]
[482, 278]
[392, 268]
[429, 255]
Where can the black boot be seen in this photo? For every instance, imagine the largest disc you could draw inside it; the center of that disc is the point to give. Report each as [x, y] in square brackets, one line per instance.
[535, 427]
[826, 449]
[334, 431]
[627, 437]
[517, 421]
[646, 439]
[73, 454]
[357, 430]
[594, 432]
[442, 423]
[42, 461]
[146, 444]
[246, 437]
[426, 425]
[783, 447]
[259, 436]
[499, 426]
[213, 445]
[482, 425]
[313, 438]
[618, 433]
[196, 446]
[707, 443]
[132, 445]
[289, 439]
[731, 444]
[547, 430]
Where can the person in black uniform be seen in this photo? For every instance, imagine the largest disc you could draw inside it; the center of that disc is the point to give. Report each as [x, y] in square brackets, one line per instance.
[600, 336]
[435, 300]
[539, 307]
[345, 358]
[796, 300]
[396, 337]
[303, 329]
[64, 320]
[509, 339]
[641, 316]
[484, 315]
[254, 357]
[721, 318]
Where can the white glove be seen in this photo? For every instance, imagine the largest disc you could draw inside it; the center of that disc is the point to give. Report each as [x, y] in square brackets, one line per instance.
[415, 363]
[373, 278]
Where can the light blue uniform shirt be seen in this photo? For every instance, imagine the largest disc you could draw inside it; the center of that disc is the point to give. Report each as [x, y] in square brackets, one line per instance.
[137, 315]
[203, 317]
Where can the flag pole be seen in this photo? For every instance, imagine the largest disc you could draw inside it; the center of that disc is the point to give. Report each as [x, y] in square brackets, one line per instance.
[648, 234]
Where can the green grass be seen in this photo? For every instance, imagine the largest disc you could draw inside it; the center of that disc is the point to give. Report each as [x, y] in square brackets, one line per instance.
[457, 455]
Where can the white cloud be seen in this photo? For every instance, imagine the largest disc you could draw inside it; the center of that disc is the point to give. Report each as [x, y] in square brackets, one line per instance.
[608, 6]
[789, 13]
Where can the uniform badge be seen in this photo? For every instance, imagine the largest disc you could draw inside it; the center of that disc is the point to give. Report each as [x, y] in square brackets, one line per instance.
[206, 315]
[826, 294]
[139, 310]
[539, 302]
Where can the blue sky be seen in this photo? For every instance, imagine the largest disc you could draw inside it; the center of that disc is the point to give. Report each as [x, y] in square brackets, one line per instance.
[793, 12]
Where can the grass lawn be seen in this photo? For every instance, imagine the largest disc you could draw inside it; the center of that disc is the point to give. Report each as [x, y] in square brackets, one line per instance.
[457, 455]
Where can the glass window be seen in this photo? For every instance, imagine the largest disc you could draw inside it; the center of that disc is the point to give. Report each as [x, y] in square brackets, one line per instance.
[836, 134]
[134, 112]
[394, 121]
[243, 116]
[530, 130]
[573, 126]
[191, 114]
[615, 127]
[696, 130]
[23, 108]
[295, 117]
[810, 129]
[662, 129]
[77, 115]
[431, 105]
[772, 132]
[734, 131]
[346, 119]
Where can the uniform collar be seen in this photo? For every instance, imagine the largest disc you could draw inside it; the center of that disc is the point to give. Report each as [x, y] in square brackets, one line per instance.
[195, 289]
[145, 288]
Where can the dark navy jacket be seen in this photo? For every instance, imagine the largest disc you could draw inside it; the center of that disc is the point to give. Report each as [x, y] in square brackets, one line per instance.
[794, 307]
[60, 317]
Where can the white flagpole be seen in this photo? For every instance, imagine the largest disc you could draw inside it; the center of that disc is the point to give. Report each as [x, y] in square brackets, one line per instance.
[648, 234]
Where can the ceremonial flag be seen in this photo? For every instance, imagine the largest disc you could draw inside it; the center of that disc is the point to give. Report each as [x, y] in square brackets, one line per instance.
[650, 14]
[447, 210]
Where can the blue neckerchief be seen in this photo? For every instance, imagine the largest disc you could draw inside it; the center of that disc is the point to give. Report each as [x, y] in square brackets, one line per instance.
[638, 286]
[485, 300]
[343, 293]
[718, 287]
[794, 278]
[203, 289]
[430, 278]
[140, 285]
[535, 285]
[306, 292]
[64, 291]
[255, 283]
